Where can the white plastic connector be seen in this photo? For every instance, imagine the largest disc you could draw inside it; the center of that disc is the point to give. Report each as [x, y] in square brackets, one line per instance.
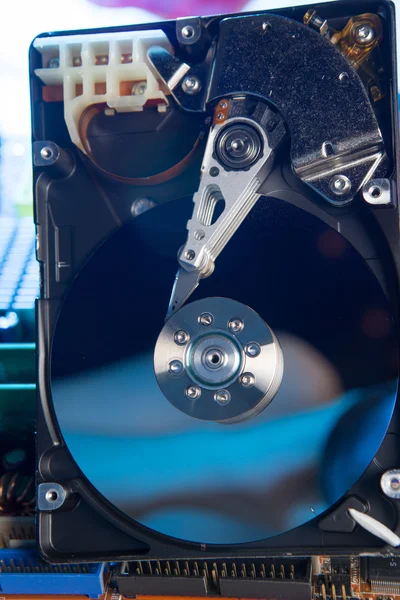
[102, 67]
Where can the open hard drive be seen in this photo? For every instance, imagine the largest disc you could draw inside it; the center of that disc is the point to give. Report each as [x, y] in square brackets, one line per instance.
[217, 230]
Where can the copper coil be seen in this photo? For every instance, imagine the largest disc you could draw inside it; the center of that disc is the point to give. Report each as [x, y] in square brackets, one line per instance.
[86, 117]
[17, 494]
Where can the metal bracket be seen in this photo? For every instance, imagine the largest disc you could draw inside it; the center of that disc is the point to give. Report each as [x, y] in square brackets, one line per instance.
[333, 129]
[377, 192]
[331, 123]
[174, 71]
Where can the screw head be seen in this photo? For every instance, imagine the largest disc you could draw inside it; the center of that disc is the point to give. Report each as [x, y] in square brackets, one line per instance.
[395, 483]
[223, 104]
[222, 397]
[175, 367]
[236, 325]
[247, 380]
[139, 89]
[53, 63]
[181, 337]
[51, 495]
[340, 185]
[252, 349]
[199, 235]
[187, 32]
[206, 319]
[220, 116]
[190, 254]
[46, 152]
[365, 34]
[390, 483]
[193, 392]
[191, 85]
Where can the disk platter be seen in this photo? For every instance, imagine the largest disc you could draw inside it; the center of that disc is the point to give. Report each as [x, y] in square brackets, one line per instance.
[218, 482]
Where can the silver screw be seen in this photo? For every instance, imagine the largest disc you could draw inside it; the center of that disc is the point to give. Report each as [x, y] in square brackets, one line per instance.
[365, 34]
[193, 392]
[223, 105]
[46, 152]
[139, 89]
[340, 185]
[222, 397]
[175, 367]
[247, 380]
[220, 116]
[199, 234]
[206, 319]
[236, 325]
[237, 144]
[266, 25]
[390, 483]
[395, 483]
[252, 349]
[190, 254]
[51, 496]
[53, 63]
[191, 85]
[187, 32]
[181, 337]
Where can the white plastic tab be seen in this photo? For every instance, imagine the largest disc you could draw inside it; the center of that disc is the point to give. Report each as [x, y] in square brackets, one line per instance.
[102, 67]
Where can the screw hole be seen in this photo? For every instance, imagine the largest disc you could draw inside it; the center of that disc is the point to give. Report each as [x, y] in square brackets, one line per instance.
[343, 76]
[190, 254]
[375, 191]
[214, 172]
[327, 149]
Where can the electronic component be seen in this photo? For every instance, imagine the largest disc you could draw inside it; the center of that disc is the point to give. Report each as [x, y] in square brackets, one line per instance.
[284, 578]
[23, 572]
[381, 574]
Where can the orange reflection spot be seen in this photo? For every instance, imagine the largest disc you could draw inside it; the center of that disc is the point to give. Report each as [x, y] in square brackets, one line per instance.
[53, 93]
[100, 88]
[331, 244]
[376, 323]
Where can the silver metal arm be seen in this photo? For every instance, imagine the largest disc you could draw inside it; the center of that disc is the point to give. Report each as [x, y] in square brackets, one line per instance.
[237, 159]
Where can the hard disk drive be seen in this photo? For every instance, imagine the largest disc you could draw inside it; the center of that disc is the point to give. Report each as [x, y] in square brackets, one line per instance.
[216, 205]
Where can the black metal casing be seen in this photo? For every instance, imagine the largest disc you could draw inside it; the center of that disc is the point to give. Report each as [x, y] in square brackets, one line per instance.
[88, 527]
